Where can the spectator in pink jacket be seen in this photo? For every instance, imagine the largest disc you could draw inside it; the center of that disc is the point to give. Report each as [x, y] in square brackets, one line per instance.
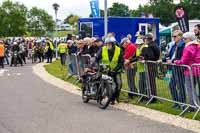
[191, 55]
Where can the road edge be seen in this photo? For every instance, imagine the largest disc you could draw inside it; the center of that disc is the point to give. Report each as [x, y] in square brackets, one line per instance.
[173, 120]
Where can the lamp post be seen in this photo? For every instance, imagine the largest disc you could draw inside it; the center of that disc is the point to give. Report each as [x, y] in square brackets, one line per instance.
[105, 18]
[55, 7]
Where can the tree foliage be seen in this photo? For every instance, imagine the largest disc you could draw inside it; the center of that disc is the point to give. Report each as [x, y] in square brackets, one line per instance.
[39, 22]
[12, 19]
[119, 9]
[72, 19]
[17, 20]
[163, 9]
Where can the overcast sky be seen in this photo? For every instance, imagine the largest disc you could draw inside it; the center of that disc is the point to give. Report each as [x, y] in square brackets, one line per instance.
[79, 7]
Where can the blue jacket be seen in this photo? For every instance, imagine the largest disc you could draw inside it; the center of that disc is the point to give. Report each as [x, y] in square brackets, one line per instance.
[72, 49]
[179, 52]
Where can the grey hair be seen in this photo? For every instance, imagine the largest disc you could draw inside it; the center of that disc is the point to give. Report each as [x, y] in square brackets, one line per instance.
[179, 32]
[189, 35]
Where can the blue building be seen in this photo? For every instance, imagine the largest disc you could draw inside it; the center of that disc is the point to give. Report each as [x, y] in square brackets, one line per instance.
[121, 26]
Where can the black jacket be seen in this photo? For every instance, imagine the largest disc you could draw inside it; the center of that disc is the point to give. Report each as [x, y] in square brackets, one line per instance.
[152, 52]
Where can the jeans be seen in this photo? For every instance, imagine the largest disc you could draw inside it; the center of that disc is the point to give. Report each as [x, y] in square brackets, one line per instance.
[178, 94]
[117, 85]
[63, 59]
[131, 80]
[189, 89]
[6, 59]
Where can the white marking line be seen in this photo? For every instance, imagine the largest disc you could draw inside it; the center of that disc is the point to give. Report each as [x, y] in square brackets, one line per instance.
[2, 71]
[17, 74]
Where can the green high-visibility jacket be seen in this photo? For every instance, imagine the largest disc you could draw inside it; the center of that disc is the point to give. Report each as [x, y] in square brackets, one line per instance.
[140, 66]
[51, 46]
[105, 57]
[62, 48]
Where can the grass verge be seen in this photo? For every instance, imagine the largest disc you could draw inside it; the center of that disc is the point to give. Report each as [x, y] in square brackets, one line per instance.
[60, 72]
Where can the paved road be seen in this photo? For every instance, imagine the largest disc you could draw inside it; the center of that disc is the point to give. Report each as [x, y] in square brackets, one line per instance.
[29, 105]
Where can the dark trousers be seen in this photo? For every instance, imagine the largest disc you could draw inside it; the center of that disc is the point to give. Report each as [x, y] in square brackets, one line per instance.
[2, 62]
[131, 80]
[18, 59]
[63, 58]
[40, 56]
[152, 72]
[178, 93]
[23, 57]
[142, 83]
[49, 57]
[118, 85]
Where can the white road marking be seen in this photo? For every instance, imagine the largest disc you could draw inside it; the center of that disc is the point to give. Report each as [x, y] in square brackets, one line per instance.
[2, 71]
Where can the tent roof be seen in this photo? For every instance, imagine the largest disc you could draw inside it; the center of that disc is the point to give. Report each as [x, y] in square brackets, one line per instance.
[166, 32]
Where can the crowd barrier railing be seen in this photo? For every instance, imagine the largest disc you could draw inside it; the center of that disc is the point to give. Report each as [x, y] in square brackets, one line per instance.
[196, 86]
[155, 81]
[135, 81]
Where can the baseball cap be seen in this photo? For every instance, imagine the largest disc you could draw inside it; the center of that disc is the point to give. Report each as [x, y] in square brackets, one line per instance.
[149, 36]
[110, 40]
[139, 41]
[124, 40]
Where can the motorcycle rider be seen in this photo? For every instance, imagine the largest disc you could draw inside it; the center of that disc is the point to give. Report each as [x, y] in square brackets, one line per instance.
[112, 55]
[15, 48]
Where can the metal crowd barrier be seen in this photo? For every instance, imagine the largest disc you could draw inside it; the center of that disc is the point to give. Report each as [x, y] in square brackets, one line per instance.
[77, 64]
[160, 81]
[72, 64]
[135, 81]
[172, 83]
[196, 87]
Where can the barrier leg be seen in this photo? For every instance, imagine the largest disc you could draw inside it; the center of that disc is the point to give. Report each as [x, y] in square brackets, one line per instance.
[196, 114]
[183, 112]
[150, 101]
[139, 99]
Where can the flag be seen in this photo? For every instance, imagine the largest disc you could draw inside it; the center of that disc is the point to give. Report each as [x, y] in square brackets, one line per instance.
[182, 18]
[94, 4]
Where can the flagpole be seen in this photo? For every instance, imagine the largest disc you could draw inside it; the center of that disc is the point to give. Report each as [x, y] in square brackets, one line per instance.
[105, 17]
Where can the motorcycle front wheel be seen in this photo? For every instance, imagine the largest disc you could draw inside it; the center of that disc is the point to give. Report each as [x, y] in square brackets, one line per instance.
[104, 95]
[84, 95]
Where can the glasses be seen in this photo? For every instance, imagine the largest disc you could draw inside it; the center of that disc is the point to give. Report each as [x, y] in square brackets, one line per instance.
[185, 38]
[174, 36]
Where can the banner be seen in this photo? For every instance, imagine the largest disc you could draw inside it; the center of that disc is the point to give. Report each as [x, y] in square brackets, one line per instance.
[182, 18]
[94, 4]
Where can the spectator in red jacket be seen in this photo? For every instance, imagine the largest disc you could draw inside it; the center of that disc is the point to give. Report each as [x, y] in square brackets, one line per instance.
[129, 53]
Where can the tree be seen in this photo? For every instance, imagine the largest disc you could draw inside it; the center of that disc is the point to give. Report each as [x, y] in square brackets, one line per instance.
[39, 22]
[72, 19]
[164, 9]
[119, 9]
[12, 19]
[192, 7]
